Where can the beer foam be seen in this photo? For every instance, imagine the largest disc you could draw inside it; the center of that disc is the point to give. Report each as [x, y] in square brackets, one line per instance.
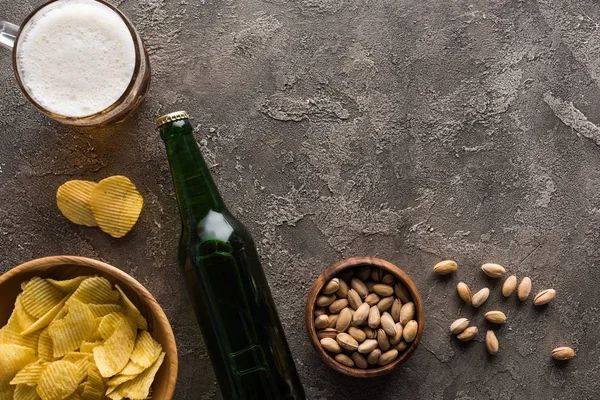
[76, 57]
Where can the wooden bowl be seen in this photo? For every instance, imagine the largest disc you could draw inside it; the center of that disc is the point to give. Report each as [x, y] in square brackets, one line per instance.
[334, 271]
[67, 267]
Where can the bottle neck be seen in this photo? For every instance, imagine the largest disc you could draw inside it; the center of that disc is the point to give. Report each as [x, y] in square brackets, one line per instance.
[195, 189]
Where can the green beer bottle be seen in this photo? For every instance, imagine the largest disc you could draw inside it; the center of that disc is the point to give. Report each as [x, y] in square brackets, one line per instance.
[228, 288]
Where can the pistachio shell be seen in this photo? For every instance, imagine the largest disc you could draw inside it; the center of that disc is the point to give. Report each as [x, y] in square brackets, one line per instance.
[344, 360]
[445, 267]
[388, 325]
[388, 279]
[357, 334]
[524, 289]
[491, 342]
[361, 315]
[563, 353]
[385, 303]
[376, 274]
[338, 305]
[459, 325]
[407, 312]
[395, 311]
[372, 299]
[509, 286]
[480, 297]
[363, 273]
[354, 299]
[373, 357]
[544, 297]
[374, 317]
[382, 340]
[325, 300]
[383, 290]
[342, 291]
[463, 292]
[331, 345]
[321, 322]
[331, 287]
[387, 357]
[346, 341]
[493, 270]
[367, 346]
[327, 333]
[360, 287]
[343, 320]
[468, 334]
[401, 292]
[495, 317]
[359, 360]
[410, 331]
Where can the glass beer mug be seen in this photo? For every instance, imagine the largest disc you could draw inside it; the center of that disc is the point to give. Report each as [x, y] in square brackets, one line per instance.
[81, 62]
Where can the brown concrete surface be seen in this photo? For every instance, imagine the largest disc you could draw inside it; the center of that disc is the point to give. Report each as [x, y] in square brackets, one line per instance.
[409, 130]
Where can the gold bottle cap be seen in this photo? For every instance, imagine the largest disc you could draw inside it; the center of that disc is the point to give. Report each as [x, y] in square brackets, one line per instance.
[170, 117]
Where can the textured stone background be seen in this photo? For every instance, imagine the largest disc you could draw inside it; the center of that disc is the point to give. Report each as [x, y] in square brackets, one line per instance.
[409, 130]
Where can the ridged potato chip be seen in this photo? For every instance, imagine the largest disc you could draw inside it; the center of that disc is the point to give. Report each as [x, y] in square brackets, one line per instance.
[68, 333]
[132, 310]
[59, 380]
[116, 205]
[26, 392]
[6, 390]
[11, 334]
[139, 388]
[39, 296]
[45, 349]
[70, 285]
[13, 359]
[132, 368]
[96, 290]
[23, 318]
[46, 319]
[100, 310]
[112, 356]
[88, 347]
[73, 200]
[118, 380]
[30, 375]
[146, 350]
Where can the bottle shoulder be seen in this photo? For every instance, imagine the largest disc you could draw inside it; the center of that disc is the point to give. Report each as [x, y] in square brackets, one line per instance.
[219, 225]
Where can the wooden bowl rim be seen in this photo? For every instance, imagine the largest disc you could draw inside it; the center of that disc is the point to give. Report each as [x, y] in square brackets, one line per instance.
[169, 347]
[333, 271]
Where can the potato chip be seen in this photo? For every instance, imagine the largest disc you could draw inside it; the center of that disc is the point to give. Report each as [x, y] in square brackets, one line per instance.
[118, 380]
[109, 323]
[11, 334]
[112, 356]
[45, 349]
[26, 392]
[23, 318]
[88, 347]
[132, 368]
[45, 320]
[13, 358]
[132, 310]
[39, 296]
[60, 379]
[96, 290]
[6, 390]
[100, 310]
[68, 286]
[139, 388]
[146, 350]
[68, 333]
[30, 375]
[116, 205]
[73, 201]
[114, 396]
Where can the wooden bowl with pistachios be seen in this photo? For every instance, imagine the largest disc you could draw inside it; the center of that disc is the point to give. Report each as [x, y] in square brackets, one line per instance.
[364, 316]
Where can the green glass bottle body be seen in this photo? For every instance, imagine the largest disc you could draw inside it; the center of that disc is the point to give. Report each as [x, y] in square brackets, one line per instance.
[228, 288]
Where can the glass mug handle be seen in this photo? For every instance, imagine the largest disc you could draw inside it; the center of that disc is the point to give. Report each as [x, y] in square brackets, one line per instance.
[8, 33]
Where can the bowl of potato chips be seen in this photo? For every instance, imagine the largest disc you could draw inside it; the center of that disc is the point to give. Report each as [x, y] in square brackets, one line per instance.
[79, 329]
